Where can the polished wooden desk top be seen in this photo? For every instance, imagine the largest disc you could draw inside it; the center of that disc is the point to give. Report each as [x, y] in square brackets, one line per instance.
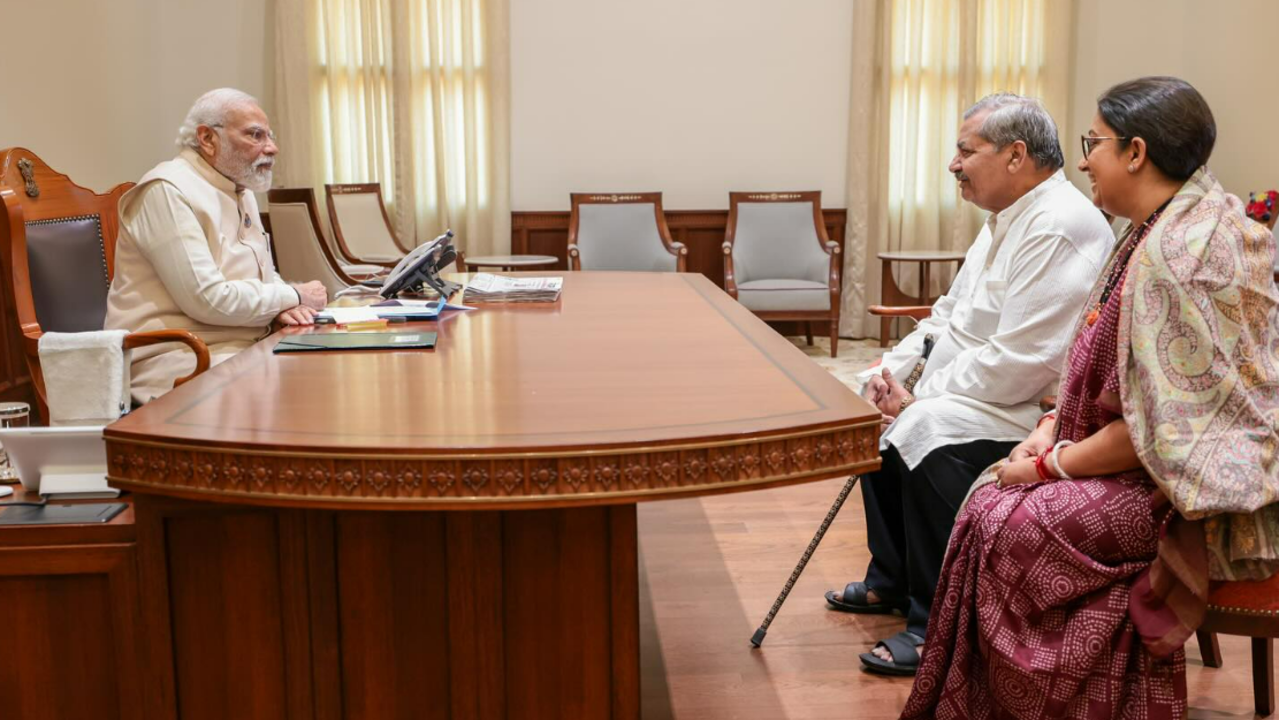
[631, 386]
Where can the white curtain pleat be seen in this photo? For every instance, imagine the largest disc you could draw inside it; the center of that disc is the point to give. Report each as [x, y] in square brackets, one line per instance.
[411, 94]
[917, 65]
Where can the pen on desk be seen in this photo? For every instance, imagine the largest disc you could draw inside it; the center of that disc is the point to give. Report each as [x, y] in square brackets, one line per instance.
[322, 320]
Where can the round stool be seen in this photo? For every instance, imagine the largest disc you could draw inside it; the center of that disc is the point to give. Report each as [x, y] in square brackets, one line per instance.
[506, 262]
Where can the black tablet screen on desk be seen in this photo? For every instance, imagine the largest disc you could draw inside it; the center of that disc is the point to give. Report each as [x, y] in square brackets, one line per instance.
[63, 514]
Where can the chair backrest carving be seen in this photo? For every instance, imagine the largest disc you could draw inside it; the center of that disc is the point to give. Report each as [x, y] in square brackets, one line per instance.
[621, 231]
[361, 226]
[58, 245]
[300, 251]
[57, 251]
[777, 235]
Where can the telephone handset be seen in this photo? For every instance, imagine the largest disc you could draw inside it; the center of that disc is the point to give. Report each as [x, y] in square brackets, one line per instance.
[422, 267]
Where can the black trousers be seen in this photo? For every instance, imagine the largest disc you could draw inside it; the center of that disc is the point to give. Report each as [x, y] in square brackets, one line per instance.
[909, 516]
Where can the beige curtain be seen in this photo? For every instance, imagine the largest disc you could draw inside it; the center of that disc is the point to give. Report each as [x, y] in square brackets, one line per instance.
[917, 65]
[412, 94]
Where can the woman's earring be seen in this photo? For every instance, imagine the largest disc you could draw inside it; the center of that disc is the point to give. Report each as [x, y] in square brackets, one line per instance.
[1132, 168]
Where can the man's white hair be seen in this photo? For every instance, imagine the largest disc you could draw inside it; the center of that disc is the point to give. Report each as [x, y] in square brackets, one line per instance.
[211, 109]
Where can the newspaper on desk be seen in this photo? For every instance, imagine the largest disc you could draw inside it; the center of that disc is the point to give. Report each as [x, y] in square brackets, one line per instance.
[490, 288]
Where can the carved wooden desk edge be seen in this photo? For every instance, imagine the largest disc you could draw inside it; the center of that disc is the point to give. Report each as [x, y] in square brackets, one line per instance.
[458, 480]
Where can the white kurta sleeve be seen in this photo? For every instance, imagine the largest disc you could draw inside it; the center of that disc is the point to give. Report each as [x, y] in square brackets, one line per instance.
[171, 239]
[1048, 283]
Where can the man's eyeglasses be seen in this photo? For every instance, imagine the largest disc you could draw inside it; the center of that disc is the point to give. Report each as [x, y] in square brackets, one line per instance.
[255, 134]
[1088, 142]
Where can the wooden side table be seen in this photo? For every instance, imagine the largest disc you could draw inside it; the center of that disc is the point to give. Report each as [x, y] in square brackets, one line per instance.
[505, 262]
[892, 296]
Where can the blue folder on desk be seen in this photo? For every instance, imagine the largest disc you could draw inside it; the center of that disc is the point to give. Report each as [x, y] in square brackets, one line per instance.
[356, 341]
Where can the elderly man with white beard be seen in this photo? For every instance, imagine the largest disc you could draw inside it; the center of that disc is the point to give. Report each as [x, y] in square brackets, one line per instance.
[191, 252]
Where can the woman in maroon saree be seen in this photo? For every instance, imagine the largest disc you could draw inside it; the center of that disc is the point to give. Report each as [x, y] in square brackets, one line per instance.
[1079, 566]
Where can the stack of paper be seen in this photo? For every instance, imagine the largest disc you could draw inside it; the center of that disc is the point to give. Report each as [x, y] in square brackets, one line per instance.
[410, 310]
[489, 288]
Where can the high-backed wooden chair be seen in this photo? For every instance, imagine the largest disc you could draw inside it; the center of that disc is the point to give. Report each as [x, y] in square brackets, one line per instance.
[622, 231]
[297, 241]
[57, 246]
[778, 261]
[361, 228]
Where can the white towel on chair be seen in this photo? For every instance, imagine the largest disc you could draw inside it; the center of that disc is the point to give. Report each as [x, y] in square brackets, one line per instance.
[86, 376]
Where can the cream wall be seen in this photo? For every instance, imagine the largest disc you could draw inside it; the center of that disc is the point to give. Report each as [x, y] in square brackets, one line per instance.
[98, 89]
[1226, 50]
[693, 98]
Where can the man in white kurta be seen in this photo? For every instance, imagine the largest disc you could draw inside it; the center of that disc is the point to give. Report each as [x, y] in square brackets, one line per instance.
[191, 252]
[1001, 335]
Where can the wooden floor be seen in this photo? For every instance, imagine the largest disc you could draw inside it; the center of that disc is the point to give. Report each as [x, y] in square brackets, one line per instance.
[710, 569]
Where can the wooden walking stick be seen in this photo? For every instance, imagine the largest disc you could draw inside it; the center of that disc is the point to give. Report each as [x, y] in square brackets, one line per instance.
[758, 638]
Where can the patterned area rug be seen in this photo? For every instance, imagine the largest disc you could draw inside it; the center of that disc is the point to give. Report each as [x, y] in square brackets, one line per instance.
[854, 356]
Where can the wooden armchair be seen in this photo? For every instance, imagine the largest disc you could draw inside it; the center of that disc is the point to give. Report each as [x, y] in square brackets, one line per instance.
[361, 226]
[57, 246]
[778, 261]
[622, 231]
[298, 246]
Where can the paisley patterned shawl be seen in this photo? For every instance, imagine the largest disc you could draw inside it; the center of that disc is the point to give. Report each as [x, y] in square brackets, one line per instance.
[1199, 379]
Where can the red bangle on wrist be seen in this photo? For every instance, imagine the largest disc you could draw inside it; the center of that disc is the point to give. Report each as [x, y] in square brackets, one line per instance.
[1041, 467]
[1045, 418]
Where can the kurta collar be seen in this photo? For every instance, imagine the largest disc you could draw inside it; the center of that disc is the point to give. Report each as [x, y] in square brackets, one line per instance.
[1011, 212]
[998, 223]
[206, 171]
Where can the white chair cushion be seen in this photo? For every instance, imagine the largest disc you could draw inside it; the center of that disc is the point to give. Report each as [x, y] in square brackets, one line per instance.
[364, 228]
[298, 249]
[784, 295]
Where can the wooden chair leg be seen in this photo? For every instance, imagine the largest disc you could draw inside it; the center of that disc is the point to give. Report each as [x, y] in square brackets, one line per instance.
[834, 338]
[1209, 648]
[808, 331]
[1263, 675]
[884, 324]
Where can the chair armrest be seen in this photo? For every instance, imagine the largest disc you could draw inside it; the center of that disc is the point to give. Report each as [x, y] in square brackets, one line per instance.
[574, 257]
[1048, 402]
[680, 251]
[730, 281]
[836, 265]
[157, 337]
[916, 312]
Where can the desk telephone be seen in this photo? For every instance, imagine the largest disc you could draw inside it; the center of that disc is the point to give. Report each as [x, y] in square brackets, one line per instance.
[421, 268]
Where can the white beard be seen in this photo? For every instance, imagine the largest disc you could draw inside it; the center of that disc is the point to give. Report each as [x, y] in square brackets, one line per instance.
[252, 174]
[259, 180]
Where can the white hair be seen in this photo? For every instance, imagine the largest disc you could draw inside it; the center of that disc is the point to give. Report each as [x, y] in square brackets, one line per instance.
[210, 109]
[1015, 117]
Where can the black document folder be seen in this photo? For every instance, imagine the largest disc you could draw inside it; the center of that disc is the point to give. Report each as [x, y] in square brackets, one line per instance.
[405, 340]
[59, 514]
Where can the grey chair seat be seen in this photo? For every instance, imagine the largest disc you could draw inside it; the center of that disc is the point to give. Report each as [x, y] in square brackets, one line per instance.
[784, 295]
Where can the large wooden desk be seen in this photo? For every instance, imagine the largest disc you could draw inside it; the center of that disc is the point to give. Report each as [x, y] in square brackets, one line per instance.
[451, 533]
